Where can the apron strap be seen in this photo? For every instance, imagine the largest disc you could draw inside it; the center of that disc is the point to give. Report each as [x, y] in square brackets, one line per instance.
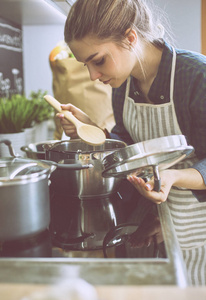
[172, 77]
[128, 87]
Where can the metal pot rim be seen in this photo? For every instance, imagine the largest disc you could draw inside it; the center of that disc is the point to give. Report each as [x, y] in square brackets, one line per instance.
[24, 179]
[94, 149]
[30, 147]
[145, 154]
[21, 164]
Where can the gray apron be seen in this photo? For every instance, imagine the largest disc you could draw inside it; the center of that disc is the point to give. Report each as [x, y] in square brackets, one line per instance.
[146, 121]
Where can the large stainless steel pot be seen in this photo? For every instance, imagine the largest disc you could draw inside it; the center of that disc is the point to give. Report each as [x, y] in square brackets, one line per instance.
[24, 200]
[76, 225]
[85, 182]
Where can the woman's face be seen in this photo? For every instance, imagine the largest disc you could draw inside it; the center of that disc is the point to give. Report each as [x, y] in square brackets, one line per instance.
[107, 62]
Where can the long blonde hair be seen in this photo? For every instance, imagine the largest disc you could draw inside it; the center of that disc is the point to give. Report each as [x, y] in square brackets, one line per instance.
[109, 20]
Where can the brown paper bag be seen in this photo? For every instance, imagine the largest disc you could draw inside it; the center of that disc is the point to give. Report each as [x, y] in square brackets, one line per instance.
[72, 84]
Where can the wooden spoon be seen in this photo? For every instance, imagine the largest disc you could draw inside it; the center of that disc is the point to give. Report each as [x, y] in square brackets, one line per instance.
[89, 134]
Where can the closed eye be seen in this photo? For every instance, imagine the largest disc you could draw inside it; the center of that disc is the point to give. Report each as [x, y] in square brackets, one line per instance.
[101, 62]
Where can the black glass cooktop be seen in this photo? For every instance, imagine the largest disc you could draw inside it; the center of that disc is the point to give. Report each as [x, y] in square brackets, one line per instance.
[121, 225]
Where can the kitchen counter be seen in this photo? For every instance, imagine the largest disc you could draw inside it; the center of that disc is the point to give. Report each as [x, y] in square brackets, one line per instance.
[18, 291]
[103, 271]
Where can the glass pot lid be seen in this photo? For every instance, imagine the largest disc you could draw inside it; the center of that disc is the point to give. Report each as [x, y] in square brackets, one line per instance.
[19, 168]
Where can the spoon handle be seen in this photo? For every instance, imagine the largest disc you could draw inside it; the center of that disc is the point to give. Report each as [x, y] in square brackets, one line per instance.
[57, 105]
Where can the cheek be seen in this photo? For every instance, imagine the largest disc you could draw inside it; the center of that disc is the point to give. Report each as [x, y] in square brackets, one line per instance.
[109, 67]
[114, 69]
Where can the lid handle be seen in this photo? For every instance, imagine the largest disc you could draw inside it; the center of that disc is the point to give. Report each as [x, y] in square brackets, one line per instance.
[11, 149]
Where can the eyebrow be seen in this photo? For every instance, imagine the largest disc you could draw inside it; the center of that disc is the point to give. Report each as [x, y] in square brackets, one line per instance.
[91, 56]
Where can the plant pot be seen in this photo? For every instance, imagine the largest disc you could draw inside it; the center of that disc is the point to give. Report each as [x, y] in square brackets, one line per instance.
[41, 131]
[30, 135]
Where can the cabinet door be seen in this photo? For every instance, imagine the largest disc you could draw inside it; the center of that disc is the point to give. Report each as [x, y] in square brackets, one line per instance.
[11, 62]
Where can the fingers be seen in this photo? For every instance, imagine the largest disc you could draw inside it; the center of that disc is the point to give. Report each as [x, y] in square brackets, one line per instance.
[68, 127]
[66, 106]
[77, 113]
[70, 107]
[147, 189]
[70, 131]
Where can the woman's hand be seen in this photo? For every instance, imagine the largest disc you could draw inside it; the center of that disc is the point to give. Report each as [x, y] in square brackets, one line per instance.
[184, 178]
[68, 127]
[146, 189]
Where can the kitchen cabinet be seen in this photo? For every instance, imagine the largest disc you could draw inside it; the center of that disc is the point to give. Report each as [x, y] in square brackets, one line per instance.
[11, 59]
[34, 12]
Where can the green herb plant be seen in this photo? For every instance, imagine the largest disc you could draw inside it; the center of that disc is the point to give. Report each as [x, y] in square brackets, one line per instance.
[45, 111]
[19, 112]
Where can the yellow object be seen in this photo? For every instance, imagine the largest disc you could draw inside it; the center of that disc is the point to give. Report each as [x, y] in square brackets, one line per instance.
[54, 53]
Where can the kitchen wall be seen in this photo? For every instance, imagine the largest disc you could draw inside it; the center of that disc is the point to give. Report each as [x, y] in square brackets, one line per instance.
[185, 21]
[38, 41]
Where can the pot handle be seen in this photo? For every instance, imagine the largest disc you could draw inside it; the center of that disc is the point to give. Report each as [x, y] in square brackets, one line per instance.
[157, 179]
[68, 166]
[11, 149]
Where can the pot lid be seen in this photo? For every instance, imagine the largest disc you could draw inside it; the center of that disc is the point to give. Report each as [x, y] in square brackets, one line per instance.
[118, 235]
[19, 168]
[141, 158]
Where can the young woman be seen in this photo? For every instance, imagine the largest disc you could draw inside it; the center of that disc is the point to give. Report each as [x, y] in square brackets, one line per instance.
[157, 91]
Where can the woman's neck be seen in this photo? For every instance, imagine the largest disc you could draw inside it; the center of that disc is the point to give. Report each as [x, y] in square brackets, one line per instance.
[147, 66]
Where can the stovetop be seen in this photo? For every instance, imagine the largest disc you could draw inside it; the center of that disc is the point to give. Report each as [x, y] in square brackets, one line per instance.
[121, 225]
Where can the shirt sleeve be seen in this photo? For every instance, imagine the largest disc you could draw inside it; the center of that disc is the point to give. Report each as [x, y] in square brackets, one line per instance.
[200, 166]
[198, 117]
[198, 129]
[190, 106]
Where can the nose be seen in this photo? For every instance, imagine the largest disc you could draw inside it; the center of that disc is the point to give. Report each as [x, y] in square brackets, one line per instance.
[94, 73]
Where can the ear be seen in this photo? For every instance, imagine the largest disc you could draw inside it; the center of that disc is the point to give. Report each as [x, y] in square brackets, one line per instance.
[131, 36]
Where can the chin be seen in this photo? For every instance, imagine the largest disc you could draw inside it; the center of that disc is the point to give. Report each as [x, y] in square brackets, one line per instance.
[117, 83]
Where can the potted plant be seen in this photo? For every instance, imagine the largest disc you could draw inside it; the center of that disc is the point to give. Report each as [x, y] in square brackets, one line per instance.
[44, 115]
[11, 124]
[19, 113]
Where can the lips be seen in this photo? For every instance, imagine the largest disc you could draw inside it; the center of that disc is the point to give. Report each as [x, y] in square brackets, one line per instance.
[106, 82]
